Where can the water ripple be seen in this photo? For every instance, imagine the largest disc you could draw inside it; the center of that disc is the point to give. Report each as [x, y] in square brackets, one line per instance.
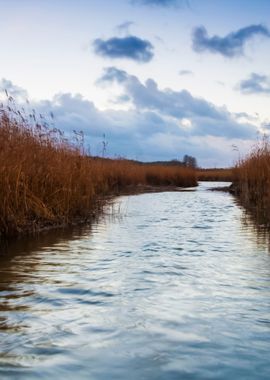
[178, 287]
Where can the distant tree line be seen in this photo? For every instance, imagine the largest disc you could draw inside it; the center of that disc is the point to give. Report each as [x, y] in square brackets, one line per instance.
[187, 161]
[190, 161]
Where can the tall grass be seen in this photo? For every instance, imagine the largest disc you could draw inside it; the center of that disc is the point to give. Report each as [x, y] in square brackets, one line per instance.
[221, 174]
[252, 181]
[46, 180]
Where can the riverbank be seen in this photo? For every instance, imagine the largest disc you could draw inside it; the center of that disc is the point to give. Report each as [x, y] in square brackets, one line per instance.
[48, 180]
[252, 182]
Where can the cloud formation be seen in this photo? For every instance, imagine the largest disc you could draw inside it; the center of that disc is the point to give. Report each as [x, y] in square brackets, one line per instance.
[148, 96]
[130, 47]
[255, 84]
[205, 118]
[231, 45]
[157, 124]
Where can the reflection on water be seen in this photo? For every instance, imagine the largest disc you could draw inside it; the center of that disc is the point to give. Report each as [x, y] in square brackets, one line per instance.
[253, 219]
[178, 287]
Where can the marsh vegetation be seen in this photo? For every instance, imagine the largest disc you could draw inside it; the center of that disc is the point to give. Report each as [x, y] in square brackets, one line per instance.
[252, 182]
[47, 179]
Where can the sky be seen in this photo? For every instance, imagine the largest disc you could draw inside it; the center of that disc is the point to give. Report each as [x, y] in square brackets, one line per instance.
[154, 79]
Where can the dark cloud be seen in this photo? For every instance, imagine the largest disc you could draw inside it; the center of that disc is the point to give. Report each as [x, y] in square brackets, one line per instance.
[161, 3]
[130, 47]
[231, 45]
[126, 131]
[186, 72]
[255, 84]
[156, 124]
[205, 118]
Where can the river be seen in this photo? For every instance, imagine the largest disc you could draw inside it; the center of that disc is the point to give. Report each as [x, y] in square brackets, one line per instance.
[172, 285]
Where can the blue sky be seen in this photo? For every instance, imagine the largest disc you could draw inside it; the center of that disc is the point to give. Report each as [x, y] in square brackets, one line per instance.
[160, 78]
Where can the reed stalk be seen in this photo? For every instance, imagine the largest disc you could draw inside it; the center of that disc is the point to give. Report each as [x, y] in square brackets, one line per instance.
[47, 180]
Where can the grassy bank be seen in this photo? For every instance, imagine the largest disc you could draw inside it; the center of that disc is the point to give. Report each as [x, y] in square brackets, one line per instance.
[252, 182]
[46, 180]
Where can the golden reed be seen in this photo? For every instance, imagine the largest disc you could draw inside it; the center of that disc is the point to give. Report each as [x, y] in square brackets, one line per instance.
[47, 180]
[215, 174]
[252, 181]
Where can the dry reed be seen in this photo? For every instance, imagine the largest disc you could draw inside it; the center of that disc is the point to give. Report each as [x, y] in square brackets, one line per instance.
[221, 174]
[46, 180]
[252, 181]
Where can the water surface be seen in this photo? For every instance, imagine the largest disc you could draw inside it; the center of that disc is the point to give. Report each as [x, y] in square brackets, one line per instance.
[172, 286]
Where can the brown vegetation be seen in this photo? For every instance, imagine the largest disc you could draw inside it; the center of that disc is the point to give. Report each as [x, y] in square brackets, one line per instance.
[46, 180]
[252, 181]
[225, 175]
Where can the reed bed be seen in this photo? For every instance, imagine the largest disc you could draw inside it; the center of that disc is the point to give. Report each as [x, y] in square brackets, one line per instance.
[252, 181]
[47, 180]
[223, 175]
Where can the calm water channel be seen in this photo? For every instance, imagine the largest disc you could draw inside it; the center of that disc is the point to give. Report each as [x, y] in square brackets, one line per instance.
[172, 286]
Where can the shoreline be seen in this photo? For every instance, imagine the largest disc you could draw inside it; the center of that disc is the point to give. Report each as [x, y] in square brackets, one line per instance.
[144, 189]
[41, 228]
[228, 189]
